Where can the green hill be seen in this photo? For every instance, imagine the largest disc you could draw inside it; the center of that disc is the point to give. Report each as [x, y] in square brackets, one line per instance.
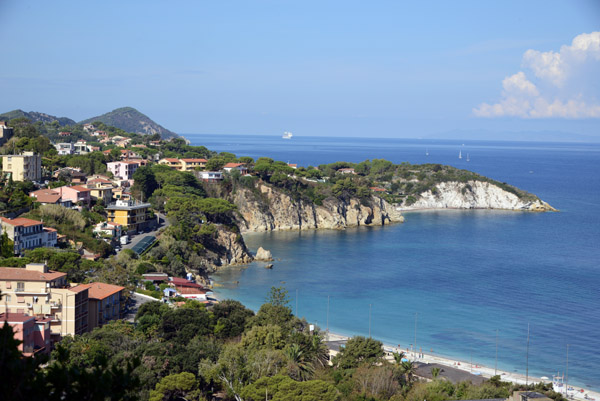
[34, 116]
[131, 120]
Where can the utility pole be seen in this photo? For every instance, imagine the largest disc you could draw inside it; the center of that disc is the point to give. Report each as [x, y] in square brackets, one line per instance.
[567, 374]
[327, 328]
[527, 359]
[496, 365]
[369, 320]
[416, 317]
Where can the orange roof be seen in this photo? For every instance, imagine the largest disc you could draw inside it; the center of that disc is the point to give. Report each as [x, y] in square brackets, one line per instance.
[19, 273]
[50, 229]
[377, 189]
[20, 221]
[99, 290]
[100, 180]
[232, 165]
[195, 160]
[171, 160]
[79, 188]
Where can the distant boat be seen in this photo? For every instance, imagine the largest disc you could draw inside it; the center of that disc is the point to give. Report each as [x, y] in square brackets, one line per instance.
[287, 135]
[426, 152]
[460, 154]
[468, 157]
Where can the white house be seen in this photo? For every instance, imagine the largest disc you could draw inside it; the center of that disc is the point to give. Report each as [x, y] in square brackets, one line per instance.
[64, 148]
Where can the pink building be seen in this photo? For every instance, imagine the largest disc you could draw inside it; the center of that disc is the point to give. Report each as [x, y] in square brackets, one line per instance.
[123, 169]
[34, 333]
[76, 193]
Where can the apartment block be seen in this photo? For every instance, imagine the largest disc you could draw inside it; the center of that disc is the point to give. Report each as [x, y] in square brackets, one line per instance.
[28, 234]
[37, 291]
[24, 167]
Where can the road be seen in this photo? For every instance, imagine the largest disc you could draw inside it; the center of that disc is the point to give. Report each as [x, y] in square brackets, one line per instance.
[138, 300]
[164, 223]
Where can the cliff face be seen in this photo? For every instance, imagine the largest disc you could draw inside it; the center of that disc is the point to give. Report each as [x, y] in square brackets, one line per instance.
[226, 248]
[274, 210]
[475, 195]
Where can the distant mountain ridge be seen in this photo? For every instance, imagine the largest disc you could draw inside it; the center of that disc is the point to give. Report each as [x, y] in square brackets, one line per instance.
[131, 120]
[36, 116]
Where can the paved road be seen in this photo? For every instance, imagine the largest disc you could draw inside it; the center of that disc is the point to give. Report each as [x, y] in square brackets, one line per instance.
[138, 237]
[138, 301]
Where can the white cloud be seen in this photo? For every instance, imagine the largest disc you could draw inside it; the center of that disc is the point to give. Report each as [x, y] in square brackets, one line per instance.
[565, 84]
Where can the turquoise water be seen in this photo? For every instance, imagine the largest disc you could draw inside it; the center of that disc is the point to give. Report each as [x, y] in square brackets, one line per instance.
[466, 273]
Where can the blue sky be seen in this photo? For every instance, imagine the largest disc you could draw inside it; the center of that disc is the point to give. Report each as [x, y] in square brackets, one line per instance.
[357, 68]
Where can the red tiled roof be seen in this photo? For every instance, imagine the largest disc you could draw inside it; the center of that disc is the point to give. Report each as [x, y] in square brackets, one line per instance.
[19, 273]
[20, 221]
[15, 317]
[190, 290]
[377, 189]
[171, 160]
[99, 290]
[195, 160]
[79, 188]
[232, 165]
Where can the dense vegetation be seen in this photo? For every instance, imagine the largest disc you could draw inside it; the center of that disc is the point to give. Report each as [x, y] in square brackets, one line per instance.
[227, 352]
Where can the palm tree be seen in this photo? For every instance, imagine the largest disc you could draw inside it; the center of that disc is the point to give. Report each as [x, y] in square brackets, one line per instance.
[298, 367]
[398, 357]
[407, 368]
[317, 351]
[435, 372]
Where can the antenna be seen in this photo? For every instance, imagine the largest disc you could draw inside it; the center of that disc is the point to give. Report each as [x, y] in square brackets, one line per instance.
[527, 359]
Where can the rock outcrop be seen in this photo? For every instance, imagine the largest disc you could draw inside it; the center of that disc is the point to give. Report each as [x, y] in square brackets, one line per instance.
[263, 255]
[271, 210]
[227, 248]
[475, 195]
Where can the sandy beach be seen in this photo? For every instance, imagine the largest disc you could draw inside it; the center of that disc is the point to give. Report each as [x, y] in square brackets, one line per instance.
[485, 371]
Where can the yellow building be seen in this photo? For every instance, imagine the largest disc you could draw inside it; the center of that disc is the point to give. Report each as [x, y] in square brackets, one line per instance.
[24, 167]
[37, 291]
[191, 164]
[129, 213]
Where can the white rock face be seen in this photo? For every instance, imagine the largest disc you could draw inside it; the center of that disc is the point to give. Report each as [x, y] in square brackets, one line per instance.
[474, 195]
[274, 210]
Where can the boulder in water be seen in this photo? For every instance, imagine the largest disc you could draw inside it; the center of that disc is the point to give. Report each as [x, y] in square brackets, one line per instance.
[263, 255]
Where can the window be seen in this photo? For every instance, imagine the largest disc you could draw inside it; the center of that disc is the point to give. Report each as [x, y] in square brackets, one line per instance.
[20, 286]
[7, 297]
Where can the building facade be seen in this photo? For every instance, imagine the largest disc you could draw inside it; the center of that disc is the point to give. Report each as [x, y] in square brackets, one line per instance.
[129, 213]
[123, 169]
[37, 291]
[24, 167]
[106, 303]
[28, 234]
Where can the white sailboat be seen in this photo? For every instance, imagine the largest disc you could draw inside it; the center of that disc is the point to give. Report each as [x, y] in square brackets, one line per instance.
[287, 135]
[460, 154]
[468, 157]
[426, 152]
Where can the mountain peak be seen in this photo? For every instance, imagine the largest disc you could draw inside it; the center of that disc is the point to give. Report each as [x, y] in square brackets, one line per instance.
[131, 120]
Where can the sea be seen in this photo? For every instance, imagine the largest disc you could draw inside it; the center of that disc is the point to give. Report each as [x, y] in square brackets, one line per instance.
[516, 289]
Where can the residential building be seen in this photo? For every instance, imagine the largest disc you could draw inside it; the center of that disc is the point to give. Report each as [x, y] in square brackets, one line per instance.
[48, 196]
[155, 143]
[65, 148]
[109, 229]
[38, 291]
[81, 147]
[192, 164]
[210, 176]
[100, 190]
[28, 234]
[346, 171]
[123, 169]
[64, 133]
[131, 214]
[127, 154]
[33, 332]
[88, 128]
[76, 194]
[24, 167]
[171, 162]
[72, 174]
[106, 303]
[6, 132]
[235, 166]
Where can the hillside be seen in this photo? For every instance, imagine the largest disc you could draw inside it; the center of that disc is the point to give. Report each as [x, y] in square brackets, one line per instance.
[35, 116]
[131, 120]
